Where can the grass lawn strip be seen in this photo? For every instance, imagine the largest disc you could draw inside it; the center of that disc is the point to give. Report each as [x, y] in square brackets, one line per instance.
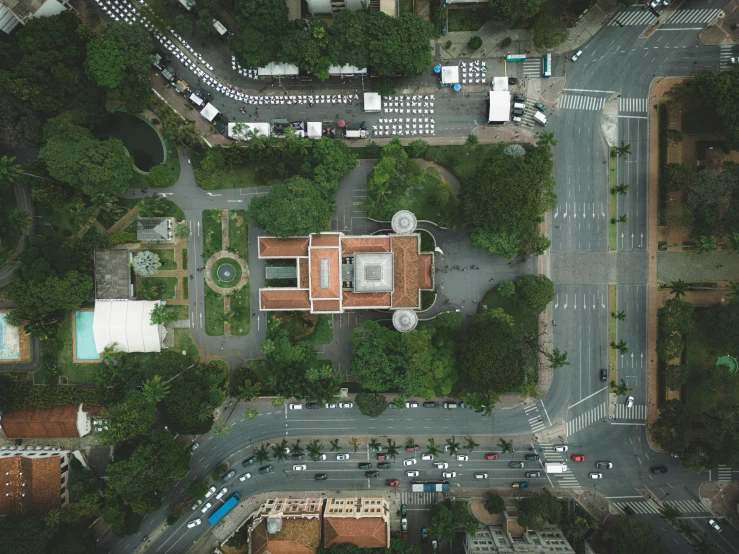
[183, 341]
[241, 321]
[166, 256]
[212, 233]
[238, 234]
[612, 334]
[213, 313]
[168, 283]
[612, 202]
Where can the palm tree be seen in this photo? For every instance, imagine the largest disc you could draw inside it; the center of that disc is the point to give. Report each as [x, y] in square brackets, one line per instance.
[620, 389]
[278, 451]
[670, 513]
[558, 359]
[8, 171]
[707, 244]
[54, 517]
[620, 189]
[432, 449]
[297, 449]
[335, 447]
[701, 544]
[546, 139]
[622, 151]
[262, 454]
[471, 444]
[315, 449]
[248, 390]
[410, 443]
[19, 219]
[205, 412]
[355, 444]
[623, 218]
[453, 446]
[239, 130]
[155, 390]
[621, 346]
[392, 448]
[685, 527]
[374, 445]
[81, 214]
[251, 413]
[678, 288]
[505, 446]
[619, 315]
[732, 241]
[221, 429]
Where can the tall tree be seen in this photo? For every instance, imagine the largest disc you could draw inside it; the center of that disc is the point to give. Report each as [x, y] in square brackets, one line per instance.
[132, 417]
[536, 511]
[154, 389]
[632, 536]
[536, 292]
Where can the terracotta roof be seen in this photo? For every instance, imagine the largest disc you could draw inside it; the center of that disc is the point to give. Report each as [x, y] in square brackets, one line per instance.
[365, 244]
[358, 299]
[365, 532]
[326, 306]
[42, 478]
[334, 273]
[297, 536]
[405, 270]
[272, 247]
[325, 240]
[283, 299]
[41, 423]
[426, 271]
[303, 272]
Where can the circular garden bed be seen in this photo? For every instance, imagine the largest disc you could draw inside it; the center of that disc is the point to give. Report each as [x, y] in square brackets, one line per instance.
[226, 273]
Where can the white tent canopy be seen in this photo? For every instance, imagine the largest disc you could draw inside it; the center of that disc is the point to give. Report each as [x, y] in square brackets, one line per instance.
[274, 69]
[346, 70]
[450, 75]
[315, 129]
[209, 111]
[500, 83]
[500, 106]
[372, 102]
[196, 99]
[127, 324]
[259, 128]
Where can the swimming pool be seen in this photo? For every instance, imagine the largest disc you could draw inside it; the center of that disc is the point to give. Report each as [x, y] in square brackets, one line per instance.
[85, 341]
[9, 341]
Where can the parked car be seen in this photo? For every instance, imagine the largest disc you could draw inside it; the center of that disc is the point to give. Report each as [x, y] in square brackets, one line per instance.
[520, 484]
[392, 482]
[196, 504]
[221, 493]
[342, 456]
[249, 461]
[266, 469]
[371, 474]
[541, 107]
[320, 476]
[403, 510]
[561, 448]
[713, 523]
[462, 457]
[229, 475]
[297, 457]
[481, 475]
[415, 448]
[331, 406]
[604, 375]
[533, 474]
[364, 465]
[211, 491]
[383, 465]
[245, 476]
[576, 55]
[207, 507]
[321, 457]
[424, 534]
[410, 462]
[449, 474]
[382, 457]
[578, 458]
[658, 469]
[412, 473]
[391, 406]
[300, 467]
[519, 98]
[411, 404]
[491, 456]
[296, 406]
[311, 406]
[404, 525]
[346, 404]
[441, 465]
[193, 523]
[532, 457]
[515, 465]
[603, 465]
[429, 404]
[427, 457]
[595, 475]
[193, 447]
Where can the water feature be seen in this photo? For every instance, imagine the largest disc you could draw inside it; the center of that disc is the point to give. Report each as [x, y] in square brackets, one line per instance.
[85, 341]
[138, 136]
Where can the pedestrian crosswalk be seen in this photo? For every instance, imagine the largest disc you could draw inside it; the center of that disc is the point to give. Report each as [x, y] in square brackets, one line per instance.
[535, 419]
[599, 413]
[645, 507]
[634, 16]
[419, 498]
[528, 115]
[684, 17]
[724, 473]
[562, 480]
[532, 67]
[638, 411]
[632, 105]
[727, 52]
[580, 102]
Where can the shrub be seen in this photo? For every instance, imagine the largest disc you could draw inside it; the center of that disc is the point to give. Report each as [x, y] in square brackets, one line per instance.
[371, 405]
[506, 42]
[122, 237]
[448, 44]
[474, 43]
[161, 176]
[506, 289]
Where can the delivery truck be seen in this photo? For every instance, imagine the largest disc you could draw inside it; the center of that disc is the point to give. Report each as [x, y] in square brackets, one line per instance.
[558, 467]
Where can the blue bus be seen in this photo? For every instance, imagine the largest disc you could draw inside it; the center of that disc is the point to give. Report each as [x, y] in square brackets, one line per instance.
[515, 57]
[548, 65]
[223, 510]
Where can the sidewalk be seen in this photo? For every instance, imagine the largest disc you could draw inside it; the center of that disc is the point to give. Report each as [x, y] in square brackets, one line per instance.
[721, 32]
[722, 500]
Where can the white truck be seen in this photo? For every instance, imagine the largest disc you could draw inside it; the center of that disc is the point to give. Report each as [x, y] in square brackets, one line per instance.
[558, 467]
[540, 118]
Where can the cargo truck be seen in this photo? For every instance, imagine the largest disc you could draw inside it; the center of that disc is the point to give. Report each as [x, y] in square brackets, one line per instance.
[555, 468]
[540, 118]
[430, 487]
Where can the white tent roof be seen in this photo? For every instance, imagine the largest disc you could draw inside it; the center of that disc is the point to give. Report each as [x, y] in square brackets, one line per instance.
[275, 69]
[372, 102]
[219, 27]
[209, 111]
[315, 129]
[127, 323]
[346, 70]
[195, 98]
[500, 83]
[500, 106]
[450, 74]
[259, 128]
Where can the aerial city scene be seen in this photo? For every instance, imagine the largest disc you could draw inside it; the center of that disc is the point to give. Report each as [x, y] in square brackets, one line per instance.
[369, 276]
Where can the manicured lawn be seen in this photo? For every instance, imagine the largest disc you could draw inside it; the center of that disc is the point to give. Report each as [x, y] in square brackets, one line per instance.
[523, 318]
[459, 160]
[166, 256]
[10, 236]
[212, 233]
[182, 311]
[61, 350]
[238, 233]
[306, 327]
[213, 313]
[168, 284]
[237, 272]
[183, 341]
[468, 19]
[240, 304]
[239, 177]
[366, 152]
[53, 222]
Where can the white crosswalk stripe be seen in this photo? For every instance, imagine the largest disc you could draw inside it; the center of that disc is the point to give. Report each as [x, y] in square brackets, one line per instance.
[528, 115]
[638, 412]
[636, 16]
[587, 418]
[566, 481]
[725, 56]
[419, 498]
[532, 67]
[638, 507]
[683, 17]
[632, 105]
[724, 473]
[644, 507]
[580, 102]
[535, 419]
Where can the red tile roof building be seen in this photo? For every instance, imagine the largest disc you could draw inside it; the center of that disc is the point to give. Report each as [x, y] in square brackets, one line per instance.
[364, 522]
[33, 478]
[287, 526]
[56, 422]
[337, 272]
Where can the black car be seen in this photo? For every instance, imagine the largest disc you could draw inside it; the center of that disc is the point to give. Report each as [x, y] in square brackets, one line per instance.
[371, 474]
[658, 469]
[512, 81]
[391, 406]
[249, 461]
[518, 98]
[533, 474]
[403, 510]
[515, 465]
[266, 469]
[320, 476]
[429, 404]
[604, 375]
[518, 113]
[311, 406]
[383, 465]
[297, 457]
[532, 457]
[365, 465]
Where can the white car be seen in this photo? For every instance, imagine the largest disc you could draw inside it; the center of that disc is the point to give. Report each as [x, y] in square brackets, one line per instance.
[412, 473]
[462, 457]
[441, 465]
[346, 404]
[449, 474]
[713, 523]
[220, 494]
[205, 508]
[576, 55]
[342, 456]
[322, 457]
[595, 475]
[404, 525]
[300, 467]
[330, 405]
[409, 462]
[630, 402]
[211, 492]
[481, 475]
[196, 504]
[733, 60]
[427, 457]
[245, 476]
[654, 3]
[296, 406]
[561, 448]
[194, 523]
[411, 404]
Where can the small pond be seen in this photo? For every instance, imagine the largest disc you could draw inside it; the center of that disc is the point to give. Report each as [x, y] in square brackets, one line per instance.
[140, 139]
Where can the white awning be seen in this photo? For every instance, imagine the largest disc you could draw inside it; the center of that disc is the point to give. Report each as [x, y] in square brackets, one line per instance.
[258, 128]
[500, 83]
[278, 69]
[219, 27]
[346, 70]
[209, 111]
[315, 129]
[372, 102]
[196, 99]
[127, 323]
[450, 75]
[500, 106]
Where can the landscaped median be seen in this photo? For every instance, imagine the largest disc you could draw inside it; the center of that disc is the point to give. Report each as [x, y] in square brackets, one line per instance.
[612, 200]
[612, 333]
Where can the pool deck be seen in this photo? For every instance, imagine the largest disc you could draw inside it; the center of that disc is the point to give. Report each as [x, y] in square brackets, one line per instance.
[74, 340]
[24, 346]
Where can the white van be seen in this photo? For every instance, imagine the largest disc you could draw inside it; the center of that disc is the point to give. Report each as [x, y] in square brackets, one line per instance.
[540, 118]
[519, 106]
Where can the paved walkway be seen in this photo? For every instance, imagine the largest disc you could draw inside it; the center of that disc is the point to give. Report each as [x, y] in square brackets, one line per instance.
[123, 223]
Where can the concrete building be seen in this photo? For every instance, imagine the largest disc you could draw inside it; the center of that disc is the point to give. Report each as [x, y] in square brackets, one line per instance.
[500, 539]
[364, 522]
[334, 7]
[19, 12]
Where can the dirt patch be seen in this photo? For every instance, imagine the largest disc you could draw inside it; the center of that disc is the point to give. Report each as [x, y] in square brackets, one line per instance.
[237, 220]
[299, 324]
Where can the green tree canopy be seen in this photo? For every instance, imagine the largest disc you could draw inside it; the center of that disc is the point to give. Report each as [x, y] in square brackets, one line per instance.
[26, 531]
[676, 316]
[328, 161]
[548, 32]
[536, 511]
[632, 536]
[122, 51]
[536, 291]
[188, 408]
[494, 504]
[132, 417]
[371, 405]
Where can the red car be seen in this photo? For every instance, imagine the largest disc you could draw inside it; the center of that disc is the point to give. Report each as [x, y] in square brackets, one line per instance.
[381, 457]
[392, 482]
[578, 458]
[491, 456]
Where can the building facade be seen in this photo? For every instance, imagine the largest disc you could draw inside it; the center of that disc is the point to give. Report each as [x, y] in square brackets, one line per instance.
[498, 539]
